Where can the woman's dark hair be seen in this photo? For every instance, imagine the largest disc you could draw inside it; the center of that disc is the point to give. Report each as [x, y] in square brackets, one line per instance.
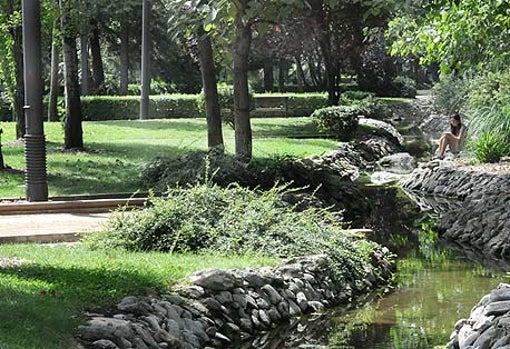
[456, 129]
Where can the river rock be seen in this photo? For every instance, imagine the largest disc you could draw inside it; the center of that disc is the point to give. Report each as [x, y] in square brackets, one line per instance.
[104, 344]
[214, 279]
[400, 163]
[107, 328]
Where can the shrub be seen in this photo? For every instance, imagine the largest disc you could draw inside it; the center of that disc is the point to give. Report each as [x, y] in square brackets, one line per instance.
[490, 147]
[234, 220]
[304, 104]
[193, 168]
[370, 107]
[404, 86]
[487, 90]
[340, 120]
[450, 94]
[99, 108]
[226, 102]
[348, 97]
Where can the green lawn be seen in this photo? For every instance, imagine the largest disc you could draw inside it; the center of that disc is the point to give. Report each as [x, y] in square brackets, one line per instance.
[116, 151]
[41, 301]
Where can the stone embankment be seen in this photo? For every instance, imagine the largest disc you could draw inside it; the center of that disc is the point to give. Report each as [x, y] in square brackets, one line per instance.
[474, 205]
[223, 306]
[488, 325]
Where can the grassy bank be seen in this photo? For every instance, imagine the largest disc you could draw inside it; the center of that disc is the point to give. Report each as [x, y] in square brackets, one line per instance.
[40, 299]
[116, 151]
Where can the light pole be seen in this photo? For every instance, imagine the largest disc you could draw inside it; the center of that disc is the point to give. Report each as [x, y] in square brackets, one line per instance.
[36, 184]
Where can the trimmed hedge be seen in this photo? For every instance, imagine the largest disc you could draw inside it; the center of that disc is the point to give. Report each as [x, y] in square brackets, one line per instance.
[100, 108]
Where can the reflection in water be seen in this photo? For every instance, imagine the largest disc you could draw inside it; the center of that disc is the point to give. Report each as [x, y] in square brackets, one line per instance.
[435, 287]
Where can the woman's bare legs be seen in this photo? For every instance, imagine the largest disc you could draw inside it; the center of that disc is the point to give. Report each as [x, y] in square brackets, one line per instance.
[446, 139]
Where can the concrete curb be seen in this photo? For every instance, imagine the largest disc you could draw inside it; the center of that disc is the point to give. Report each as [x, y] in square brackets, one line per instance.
[65, 206]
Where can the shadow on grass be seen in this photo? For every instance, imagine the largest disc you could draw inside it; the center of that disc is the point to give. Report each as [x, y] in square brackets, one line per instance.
[184, 125]
[118, 168]
[270, 130]
[40, 303]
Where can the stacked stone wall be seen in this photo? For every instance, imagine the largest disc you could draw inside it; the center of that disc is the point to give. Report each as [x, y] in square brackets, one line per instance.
[222, 306]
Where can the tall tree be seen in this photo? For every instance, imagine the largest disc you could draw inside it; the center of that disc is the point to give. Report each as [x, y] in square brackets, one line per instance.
[124, 57]
[191, 17]
[209, 83]
[98, 76]
[458, 35]
[73, 125]
[11, 56]
[53, 97]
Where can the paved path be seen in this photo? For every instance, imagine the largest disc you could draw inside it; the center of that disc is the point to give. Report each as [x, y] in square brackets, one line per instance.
[46, 227]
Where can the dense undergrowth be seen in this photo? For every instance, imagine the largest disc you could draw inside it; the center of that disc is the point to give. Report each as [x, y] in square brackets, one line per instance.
[233, 221]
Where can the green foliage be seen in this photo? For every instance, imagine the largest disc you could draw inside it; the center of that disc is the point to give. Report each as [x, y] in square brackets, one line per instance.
[340, 120]
[348, 97]
[158, 87]
[405, 86]
[369, 106]
[99, 108]
[226, 102]
[116, 151]
[450, 93]
[304, 104]
[459, 35]
[41, 298]
[491, 146]
[233, 221]
[488, 104]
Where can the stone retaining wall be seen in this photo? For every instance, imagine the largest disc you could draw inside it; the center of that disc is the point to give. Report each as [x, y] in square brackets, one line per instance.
[222, 306]
[479, 215]
[488, 325]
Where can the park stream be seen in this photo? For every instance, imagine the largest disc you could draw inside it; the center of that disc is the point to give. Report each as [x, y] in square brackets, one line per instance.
[436, 285]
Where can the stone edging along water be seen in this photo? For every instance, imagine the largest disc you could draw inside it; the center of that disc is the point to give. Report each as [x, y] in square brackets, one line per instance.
[488, 325]
[479, 214]
[224, 306]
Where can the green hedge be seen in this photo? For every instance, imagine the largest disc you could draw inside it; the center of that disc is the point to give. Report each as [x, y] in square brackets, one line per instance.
[99, 108]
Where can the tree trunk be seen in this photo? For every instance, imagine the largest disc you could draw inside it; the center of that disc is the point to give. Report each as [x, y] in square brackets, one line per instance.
[2, 164]
[84, 58]
[243, 135]
[19, 95]
[282, 74]
[300, 75]
[97, 62]
[53, 98]
[268, 76]
[212, 107]
[73, 127]
[124, 59]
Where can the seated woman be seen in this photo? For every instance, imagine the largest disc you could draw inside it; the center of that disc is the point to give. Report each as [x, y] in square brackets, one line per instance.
[452, 138]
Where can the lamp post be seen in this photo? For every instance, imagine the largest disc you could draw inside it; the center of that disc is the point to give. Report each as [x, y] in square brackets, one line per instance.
[36, 184]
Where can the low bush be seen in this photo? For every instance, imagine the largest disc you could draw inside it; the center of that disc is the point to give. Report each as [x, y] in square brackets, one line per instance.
[404, 86]
[490, 147]
[304, 104]
[450, 94]
[371, 107]
[339, 120]
[233, 220]
[226, 102]
[100, 108]
[348, 97]
[192, 168]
